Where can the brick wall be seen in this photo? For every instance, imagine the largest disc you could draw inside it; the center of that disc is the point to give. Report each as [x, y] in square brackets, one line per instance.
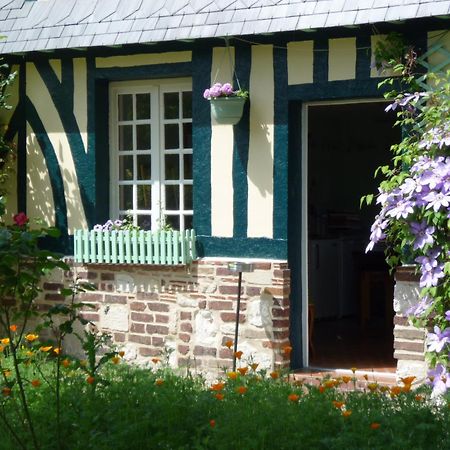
[189, 309]
[409, 341]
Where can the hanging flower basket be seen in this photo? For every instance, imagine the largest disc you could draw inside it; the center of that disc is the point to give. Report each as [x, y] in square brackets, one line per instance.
[227, 110]
[227, 105]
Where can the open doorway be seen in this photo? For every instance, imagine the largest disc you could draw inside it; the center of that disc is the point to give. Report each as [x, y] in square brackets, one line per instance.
[349, 292]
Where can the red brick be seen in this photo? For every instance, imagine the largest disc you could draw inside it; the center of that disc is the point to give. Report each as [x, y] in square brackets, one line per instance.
[53, 286]
[253, 291]
[184, 337]
[157, 341]
[281, 334]
[231, 317]
[144, 351]
[137, 328]
[160, 318]
[186, 327]
[228, 290]
[91, 317]
[141, 317]
[400, 320]
[277, 292]
[277, 312]
[107, 276]
[221, 306]
[282, 273]
[91, 297]
[54, 297]
[204, 351]
[225, 353]
[202, 304]
[119, 337]
[224, 272]
[106, 287]
[281, 323]
[160, 307]
[137, 306]
[115, 299]
[147, 296]
[185, 315]
[183, 349]
[146, 340]
[409, 346]
[40, 306]
[159, 329]
[262, 266]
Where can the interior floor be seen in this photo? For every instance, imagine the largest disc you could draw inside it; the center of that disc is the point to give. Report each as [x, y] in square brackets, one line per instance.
[342, 344]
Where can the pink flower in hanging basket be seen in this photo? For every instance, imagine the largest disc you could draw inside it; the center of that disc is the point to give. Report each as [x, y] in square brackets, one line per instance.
[218, 90]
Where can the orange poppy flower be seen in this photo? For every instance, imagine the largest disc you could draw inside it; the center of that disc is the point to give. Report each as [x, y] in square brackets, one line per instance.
[419, 398]
[330, 383]
[115, 359]
[337, 404]
[375, 425]
[346, 379]
[407, 380]
[321, 389]
[242, 370]
[384, 388]
[7, 373]
[254, 366]
[66, 363]
[353, 369]
[229, 344]
[219, 396]
[293, 397]
[241, 390]
[122, 354]
[372, 387]
[57, 350]
[366, 377]
[159, 382]
[274, 375]
[6, 391]
[45, 349]
[155, 360]
[13, 328]
[347, 413]
[212, 423]
[90, 380]
[30, 337]
[232, 375]
[35, 383]
[217, 386]
[1, 348]
[238, 354]
[5, 341]
[406, 388]
[395, 390]
[287, 349]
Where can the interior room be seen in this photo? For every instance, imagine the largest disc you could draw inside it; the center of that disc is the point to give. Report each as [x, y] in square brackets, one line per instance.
[350, 292]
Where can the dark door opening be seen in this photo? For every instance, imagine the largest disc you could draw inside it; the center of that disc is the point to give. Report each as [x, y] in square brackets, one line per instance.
[350, 292]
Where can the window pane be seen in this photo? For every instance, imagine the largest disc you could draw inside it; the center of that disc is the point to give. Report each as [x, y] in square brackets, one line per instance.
[171, 136]
[126, 197]
[125, 107]
[145, 221]
[187, 135]
[143, 137]
[188, 222]
[144, 197]
[173, 221]
[171, 105]
[187, 196]
[172, 167]
[187, 105]
[125, 167]
[143, 110]
[144, 171]
[126, 137]
[172, 197]
[187, 167]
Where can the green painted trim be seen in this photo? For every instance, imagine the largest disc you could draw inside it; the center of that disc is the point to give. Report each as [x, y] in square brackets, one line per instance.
[84, 162]
[56, 178]
[294, 231]
[171, 70]
[240, 150]
[201, 140]
[320, 60]
[22, 141]
[242, 247]
[280, 163]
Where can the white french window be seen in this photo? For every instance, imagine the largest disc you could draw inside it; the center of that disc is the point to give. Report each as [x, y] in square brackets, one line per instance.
[151, 152]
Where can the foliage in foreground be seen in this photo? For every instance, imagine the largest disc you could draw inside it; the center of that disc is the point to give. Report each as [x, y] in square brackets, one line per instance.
[144, 409]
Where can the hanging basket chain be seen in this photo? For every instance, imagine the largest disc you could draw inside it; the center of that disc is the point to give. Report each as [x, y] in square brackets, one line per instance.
[232, 65]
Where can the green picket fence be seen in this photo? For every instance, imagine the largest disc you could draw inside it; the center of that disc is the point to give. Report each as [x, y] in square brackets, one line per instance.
[134, 247]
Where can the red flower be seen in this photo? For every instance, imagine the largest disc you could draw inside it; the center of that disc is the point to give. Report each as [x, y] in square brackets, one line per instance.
[20, 219]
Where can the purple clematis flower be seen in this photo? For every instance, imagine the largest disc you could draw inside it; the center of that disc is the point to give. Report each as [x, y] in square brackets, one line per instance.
[447, 315]
[437, 340]
[439, 378]
[423, 234]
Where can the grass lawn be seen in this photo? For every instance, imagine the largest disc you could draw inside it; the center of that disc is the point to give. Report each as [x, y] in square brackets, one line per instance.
[136, 408]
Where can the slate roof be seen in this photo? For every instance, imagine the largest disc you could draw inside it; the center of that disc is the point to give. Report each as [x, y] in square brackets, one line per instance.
[56, 24]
